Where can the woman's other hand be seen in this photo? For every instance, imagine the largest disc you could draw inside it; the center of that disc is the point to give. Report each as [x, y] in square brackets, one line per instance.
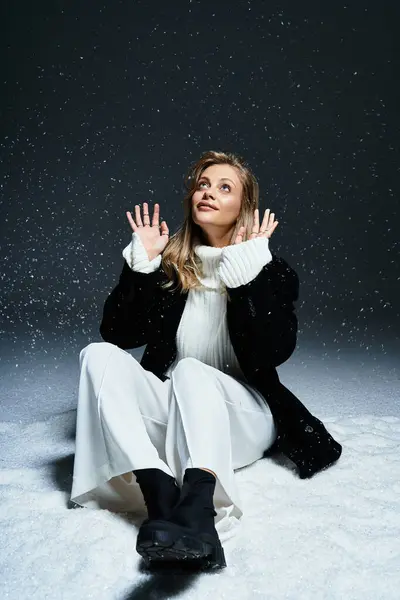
[152, 238]
[267, 228]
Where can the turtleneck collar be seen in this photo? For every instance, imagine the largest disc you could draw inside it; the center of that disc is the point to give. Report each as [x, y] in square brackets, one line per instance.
[210, 258]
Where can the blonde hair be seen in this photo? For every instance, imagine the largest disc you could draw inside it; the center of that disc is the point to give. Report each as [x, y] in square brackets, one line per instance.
[179, 260]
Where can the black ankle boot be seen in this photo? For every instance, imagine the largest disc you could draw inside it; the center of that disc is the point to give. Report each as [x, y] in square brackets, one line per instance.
[160, 492]
[189, 533]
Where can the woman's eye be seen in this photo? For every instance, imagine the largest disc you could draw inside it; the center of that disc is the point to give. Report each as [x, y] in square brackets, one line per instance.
[223, 185]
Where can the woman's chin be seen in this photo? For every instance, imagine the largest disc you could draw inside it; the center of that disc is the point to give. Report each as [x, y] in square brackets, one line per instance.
[204, 216]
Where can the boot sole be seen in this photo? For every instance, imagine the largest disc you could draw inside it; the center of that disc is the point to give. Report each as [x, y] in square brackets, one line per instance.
[162, 542]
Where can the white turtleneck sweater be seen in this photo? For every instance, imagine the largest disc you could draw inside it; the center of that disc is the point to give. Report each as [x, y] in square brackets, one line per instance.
[203, 330]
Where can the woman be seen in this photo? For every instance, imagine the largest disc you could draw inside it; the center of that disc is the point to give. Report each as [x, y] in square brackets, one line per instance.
[215, 308]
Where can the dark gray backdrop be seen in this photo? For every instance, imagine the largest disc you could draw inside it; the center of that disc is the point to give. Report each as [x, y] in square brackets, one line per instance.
[105, 105]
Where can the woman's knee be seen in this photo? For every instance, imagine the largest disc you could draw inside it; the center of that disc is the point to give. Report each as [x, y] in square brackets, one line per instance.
[193, 379]
[95, 349]
[188, 367]
[186, 376]
[193, 372]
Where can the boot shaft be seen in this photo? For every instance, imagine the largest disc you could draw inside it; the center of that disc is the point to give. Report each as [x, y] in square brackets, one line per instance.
[195, 508]
[160, 492]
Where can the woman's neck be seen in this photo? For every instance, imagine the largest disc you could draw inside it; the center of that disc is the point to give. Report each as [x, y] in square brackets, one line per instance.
[215, 239]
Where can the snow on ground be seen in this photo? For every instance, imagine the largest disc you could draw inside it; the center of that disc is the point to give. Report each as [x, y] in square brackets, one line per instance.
[334, 536]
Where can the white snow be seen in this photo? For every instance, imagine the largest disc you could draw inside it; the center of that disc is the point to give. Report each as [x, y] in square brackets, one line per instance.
[334, 536]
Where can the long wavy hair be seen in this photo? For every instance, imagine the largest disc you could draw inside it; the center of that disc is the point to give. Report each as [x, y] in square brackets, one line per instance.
[179, 261]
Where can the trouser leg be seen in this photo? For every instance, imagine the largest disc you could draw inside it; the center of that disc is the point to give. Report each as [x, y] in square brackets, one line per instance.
[215, 422]
[121, 418]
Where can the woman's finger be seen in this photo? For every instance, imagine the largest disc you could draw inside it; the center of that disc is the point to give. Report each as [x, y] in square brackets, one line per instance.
[138, 216]
[256, 222]
[146, 216]
[271, 230]
[131, 221]
[164, 228]
[239, 236]
[271, 219]
[156, 216]
[265, 223]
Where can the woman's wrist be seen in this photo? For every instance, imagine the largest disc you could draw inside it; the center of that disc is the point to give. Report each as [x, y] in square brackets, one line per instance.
[137, 258]
[152, 255]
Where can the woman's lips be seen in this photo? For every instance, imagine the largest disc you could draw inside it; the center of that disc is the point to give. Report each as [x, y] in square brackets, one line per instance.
[204, 207]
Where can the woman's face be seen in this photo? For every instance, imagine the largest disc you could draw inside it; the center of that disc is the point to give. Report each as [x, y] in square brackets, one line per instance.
[220, 186]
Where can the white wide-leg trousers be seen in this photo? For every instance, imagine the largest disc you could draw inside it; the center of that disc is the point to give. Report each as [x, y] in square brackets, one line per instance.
[127, 418]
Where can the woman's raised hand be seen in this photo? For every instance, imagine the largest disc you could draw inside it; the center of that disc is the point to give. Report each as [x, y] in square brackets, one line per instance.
[267, 228]
[152, 238]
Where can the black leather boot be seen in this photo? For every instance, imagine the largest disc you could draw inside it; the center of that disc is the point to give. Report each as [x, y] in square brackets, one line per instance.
[160, 492]
[188, 534]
